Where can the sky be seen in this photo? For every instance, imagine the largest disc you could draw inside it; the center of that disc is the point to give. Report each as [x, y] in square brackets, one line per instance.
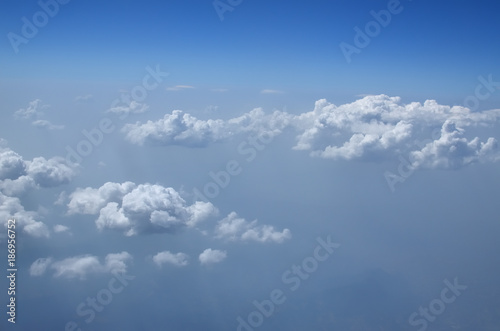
[249, 165]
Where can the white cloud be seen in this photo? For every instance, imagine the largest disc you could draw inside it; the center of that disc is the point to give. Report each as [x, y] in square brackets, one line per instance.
[58, 228]
[44, 124]
[39, 267]
[140, 209]
[179, 128]
[133, 108]
[177, 259]
[234, 228]
[84, 265]
[11, 208]
[267, 91]
[210, 256]
[51, 172]
[34, 109]
[84, 98]
[179, 87]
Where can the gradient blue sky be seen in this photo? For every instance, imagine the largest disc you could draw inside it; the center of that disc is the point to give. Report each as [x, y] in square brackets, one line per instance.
[397, 108]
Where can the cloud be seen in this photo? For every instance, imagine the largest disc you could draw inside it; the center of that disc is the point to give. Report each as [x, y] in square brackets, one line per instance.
[84, 98]
[133, 108]
[179, 128]
[267, 91]
[58, 228]
[11, 208]
[12, 164]
[34, 109]
[82, 266]
[51, 172]
[219, 90]
[39, 267]
[179, 87]
[234, 228]
[140, 209]
[178, 259]
[44, 124]
[211, 256]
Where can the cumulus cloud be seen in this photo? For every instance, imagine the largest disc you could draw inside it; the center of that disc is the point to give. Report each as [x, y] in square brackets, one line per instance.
[11, 208]
[233, 227]
[375, 127]
[139, 209]
[179, 128]
[82, 266]
[177, 259]
[18, 175]
[58, 228]
[211, 256]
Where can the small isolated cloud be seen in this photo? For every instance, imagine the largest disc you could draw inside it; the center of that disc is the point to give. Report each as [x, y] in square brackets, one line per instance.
[219, 90]
[34, 112]
[44, 124]
[211, 256]
[58, 228]
[177, 259]
[179, 87]
[82, 266]
[39, 267]
[234, 228]
[133, 107]
[61, 198]
[268, 91]
[84, 98]
[35, 109]
[139, 209]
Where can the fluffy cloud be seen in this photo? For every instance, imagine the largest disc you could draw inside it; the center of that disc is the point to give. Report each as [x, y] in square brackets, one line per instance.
[375, 127]
[34, 110]
[44, 124]
[18, 175]
[58, 228]
[211, 256]
[11, 208]
[82, 266]
[140, 209]
[234, 228]
[177, 259]
[179, 128]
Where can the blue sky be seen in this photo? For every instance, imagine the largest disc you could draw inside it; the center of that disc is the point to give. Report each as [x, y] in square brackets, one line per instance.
[193, 169]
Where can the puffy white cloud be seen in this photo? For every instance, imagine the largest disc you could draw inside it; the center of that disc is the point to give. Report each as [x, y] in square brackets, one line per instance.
[210, 256]
[18, 175]
[51, 172]
[234, 228]
[39, 267]
[11, 208]
[179, 128]
[90, 201]
[177, 259]
[374, 127]
[381, 126]
[83, 265]
[140, 209]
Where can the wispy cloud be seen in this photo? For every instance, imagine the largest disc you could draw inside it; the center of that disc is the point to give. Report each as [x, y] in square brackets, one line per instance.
[179, 87]
[268, 91]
